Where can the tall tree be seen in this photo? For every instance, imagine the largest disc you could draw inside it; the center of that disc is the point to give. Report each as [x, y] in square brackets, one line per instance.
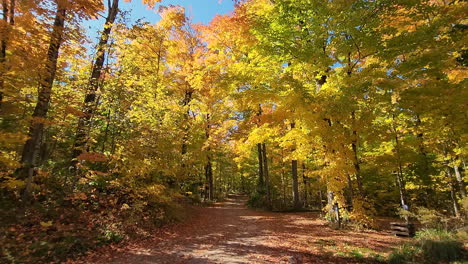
[32, 146]
[89, 104]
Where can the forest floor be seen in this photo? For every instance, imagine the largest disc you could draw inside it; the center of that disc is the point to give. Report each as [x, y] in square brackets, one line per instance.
[228, 232]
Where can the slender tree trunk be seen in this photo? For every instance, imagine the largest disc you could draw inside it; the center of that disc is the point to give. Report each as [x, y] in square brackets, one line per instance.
[208, 167]
[461, 183]
[320, 195]
[33, 144]
[422, 150]
[453, 195]
[209, 179]
[306, 189]
[283, 178]
[260, 166]
[8, 12]
[261, 181]
[185, 103]
[400, 181]
[356, 162]
[90, 101]
[3, 47]
[266, 174]
[295, 181]
[295, 185]
[351, 190]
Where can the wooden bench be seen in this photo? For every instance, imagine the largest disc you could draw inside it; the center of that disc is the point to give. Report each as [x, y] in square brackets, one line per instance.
[403, 229]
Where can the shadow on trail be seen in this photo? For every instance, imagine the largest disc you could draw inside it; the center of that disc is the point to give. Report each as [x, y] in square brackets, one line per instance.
[228, 232]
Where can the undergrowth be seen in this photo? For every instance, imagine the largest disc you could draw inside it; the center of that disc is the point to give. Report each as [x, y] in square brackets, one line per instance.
[432, 246]
[57, 227]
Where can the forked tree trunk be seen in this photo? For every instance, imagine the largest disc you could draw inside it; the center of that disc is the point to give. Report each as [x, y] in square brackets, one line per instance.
[33, 144]
[83, 128]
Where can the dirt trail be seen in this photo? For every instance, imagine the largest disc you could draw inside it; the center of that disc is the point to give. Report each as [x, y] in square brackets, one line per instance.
[228, 232]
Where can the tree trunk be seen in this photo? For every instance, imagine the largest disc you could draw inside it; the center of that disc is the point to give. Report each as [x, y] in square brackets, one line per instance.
[295, 185]
[295, 182]
[82, 131]
[453, 195]
[33, 144]
[306, 189]
[320, 195]
[266, 174]
[401, 183]
[461, 183]
[261, 181]
[422, 150]
[283, 178]
[7, 11]
[3, 47]
[208, 168]
[209, 179]
[350, 195]
[260, 166]
[356, 163]
[185, 103]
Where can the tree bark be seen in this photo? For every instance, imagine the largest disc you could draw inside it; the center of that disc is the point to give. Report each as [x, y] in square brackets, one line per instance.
[453, 195]
[208, 167]
[266, 174]
[261, 181]
[356, 162]
[8, 13]
[3, 47]
[295, 185]
[283, 178]
[422, 150]
[82, 131]
[306, 189]
[33, 144]
[461, 183]
[350, 195]
[185, 103]
[295, 182]
[400, 181]
[260, 166]
[209, 179]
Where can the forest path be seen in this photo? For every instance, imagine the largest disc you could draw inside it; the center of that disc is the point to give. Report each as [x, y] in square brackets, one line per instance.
[228, 232]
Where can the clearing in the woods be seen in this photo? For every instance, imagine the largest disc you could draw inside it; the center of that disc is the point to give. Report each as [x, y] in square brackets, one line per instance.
[228, 232]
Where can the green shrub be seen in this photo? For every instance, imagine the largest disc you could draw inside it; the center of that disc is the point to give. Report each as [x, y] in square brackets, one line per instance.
[257, 200]
[439, 245]
[403, 254]
[430, 246]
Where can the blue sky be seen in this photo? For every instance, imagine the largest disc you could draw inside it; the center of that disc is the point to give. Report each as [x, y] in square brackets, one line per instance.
[201, 11]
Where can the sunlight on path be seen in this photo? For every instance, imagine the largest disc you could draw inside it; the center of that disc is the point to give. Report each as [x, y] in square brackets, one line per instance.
[228, 232]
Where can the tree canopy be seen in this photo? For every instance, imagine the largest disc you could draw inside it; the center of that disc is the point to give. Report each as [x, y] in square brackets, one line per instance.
[357, 106]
